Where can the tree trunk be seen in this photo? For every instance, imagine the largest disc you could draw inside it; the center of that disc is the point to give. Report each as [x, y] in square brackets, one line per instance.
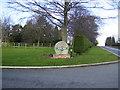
[64, 34]
[64, 28]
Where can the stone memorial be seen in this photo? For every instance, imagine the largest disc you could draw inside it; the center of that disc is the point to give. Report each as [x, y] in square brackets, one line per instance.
[61, 49]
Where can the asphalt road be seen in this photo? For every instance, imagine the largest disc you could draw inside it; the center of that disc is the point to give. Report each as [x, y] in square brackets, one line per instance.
[112, 50]
[104, 76]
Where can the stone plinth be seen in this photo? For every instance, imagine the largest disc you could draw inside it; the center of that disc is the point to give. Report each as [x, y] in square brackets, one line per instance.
[61, 56]
[61, 49]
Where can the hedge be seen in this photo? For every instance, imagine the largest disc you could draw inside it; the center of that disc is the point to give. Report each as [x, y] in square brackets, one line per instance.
[81, 44]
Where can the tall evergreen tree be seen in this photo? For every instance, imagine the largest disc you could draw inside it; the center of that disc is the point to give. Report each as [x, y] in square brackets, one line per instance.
[113, 40]
[15, 33]
[108, 41]
[39, 31]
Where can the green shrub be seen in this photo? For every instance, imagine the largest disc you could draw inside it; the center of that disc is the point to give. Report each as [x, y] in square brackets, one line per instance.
[81, 44]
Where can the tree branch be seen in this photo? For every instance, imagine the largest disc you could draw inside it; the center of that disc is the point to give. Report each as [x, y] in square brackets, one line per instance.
[53, 21]
[57, 5]
[48, 12]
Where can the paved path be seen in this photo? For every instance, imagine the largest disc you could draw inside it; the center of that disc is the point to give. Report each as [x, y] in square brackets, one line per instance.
[104, 76]
[112, 50]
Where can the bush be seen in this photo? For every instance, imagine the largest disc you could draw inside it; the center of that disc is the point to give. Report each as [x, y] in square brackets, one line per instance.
[81, 44]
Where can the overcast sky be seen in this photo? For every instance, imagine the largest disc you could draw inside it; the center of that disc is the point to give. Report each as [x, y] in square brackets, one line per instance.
[109, 28]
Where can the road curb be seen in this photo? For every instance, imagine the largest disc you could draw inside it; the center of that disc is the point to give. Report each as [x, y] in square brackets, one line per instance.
[57, 67]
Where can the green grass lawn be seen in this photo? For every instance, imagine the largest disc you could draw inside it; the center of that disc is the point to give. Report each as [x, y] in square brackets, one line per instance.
[34, 57]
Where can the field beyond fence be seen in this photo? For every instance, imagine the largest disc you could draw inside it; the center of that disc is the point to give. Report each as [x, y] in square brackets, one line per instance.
[17, 44]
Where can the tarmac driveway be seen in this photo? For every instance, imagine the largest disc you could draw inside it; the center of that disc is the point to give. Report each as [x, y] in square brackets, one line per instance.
[104, 76]
[112, 50]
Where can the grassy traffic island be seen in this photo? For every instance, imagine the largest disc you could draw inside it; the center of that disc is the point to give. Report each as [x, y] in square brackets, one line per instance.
[36, 56]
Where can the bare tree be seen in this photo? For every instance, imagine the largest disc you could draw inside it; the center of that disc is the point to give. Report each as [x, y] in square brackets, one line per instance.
[5, 29]
[57, 12]
[0, 30]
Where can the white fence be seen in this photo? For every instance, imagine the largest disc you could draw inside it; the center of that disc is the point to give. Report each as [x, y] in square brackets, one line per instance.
[8, 44]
